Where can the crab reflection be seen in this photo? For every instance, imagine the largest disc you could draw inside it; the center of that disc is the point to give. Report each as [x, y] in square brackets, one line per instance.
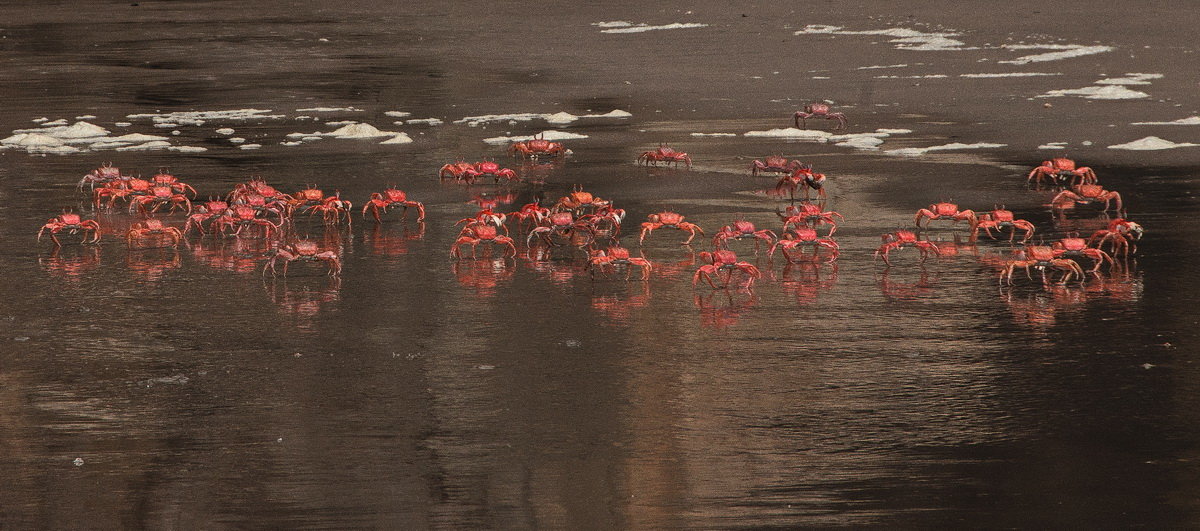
[618, 307]
[483, 276]
[152, 264]
[898, 287]
[236, 254]
[720, 309]
[385, 242]
[71, 263]
[806, 280]
[303, 299]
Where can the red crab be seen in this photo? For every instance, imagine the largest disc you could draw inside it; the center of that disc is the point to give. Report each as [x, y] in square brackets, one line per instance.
[775, 164]
[469, 173]
[209, 212]
[944, 210]
[666, 155]
[162, 178]
[818, 110]
[670, 220]
[742, 229]
[120, 189]
[475, 233]
[561, 228]
[304, 251]
[802, 177]
[486, 217]
[581, 203]
[530, 213]
[727, 262]
[1062, 172]
[158, 196]
[1085, 194]
[102, 176]
[804, 236]
[265, 206]
[901, 239]
[537, 147]
[1042, 258]
[808, 214]
[1120, 235]
[1076, 248]
[312, 200]
[152, 229]
[391, 198]
[72, 223]
[238, 217]
[256, 185]
[617, 256]
[1001, 219]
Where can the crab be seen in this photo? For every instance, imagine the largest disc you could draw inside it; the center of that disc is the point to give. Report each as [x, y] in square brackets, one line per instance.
[158, 196]
[808, 214]
[1120, 235]
[391, 198]
[209, 212]
[152, 228]
[103, 175]
[475, 233]
[304, 251]
[257, 186]
[530, 214]
[670, 220]
[1085, 194]
[1042, 258]
[617, 256]
[265, 206]
[72, 223]
[242, 216]
[724, 261]
[487, 217]
[312, 200]
[775, 164]
[665, 155]
[537, 147]
[1001, 219]
[581, 203]
[901, 239]
[162, 178]
[1062, 172]
[120, 189]
[742, 229]
[818, 110]
[803, 177]
[1076, 248]
[468, 173]
[942, 211]
[802, 236]
[562, 227]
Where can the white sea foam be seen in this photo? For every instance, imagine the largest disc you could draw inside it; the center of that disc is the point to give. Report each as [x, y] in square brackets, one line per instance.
[342, 122]
[86, 117]
[237, 140]
[397, 114]
[198, 117]
[792, 133]
[75, 131]
[122, 124]
[400, 138]
[1066, 51]
[714, 134]
[166, 125]
[249, 146]
[225, 131]
[559, 118]
[60, 121]
[290, 143]
[148, 146]
[188, 149]
[861, 142]
[1053, 145]
[360, 131]
[423, 121]
[880, 66]
[905, 39]
[1012, 74]
[955, 146]
[1107, 92]
[40, 120]
[926, 76]
[1151, 143]
[1190, 120]
[330, 109]
[621, 26]
[894, 131]
[551, 135]
[1130, 79]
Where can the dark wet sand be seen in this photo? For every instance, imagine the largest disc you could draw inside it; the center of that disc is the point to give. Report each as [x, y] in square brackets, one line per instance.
[424, 393]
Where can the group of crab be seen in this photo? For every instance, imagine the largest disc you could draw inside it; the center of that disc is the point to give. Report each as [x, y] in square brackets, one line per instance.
[252, 209]
[1066, 256]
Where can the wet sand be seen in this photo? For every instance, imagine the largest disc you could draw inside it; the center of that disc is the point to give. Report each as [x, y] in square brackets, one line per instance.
[420, 392]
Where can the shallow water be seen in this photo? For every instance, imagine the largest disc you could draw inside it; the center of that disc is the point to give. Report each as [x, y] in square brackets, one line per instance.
[422, 392]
